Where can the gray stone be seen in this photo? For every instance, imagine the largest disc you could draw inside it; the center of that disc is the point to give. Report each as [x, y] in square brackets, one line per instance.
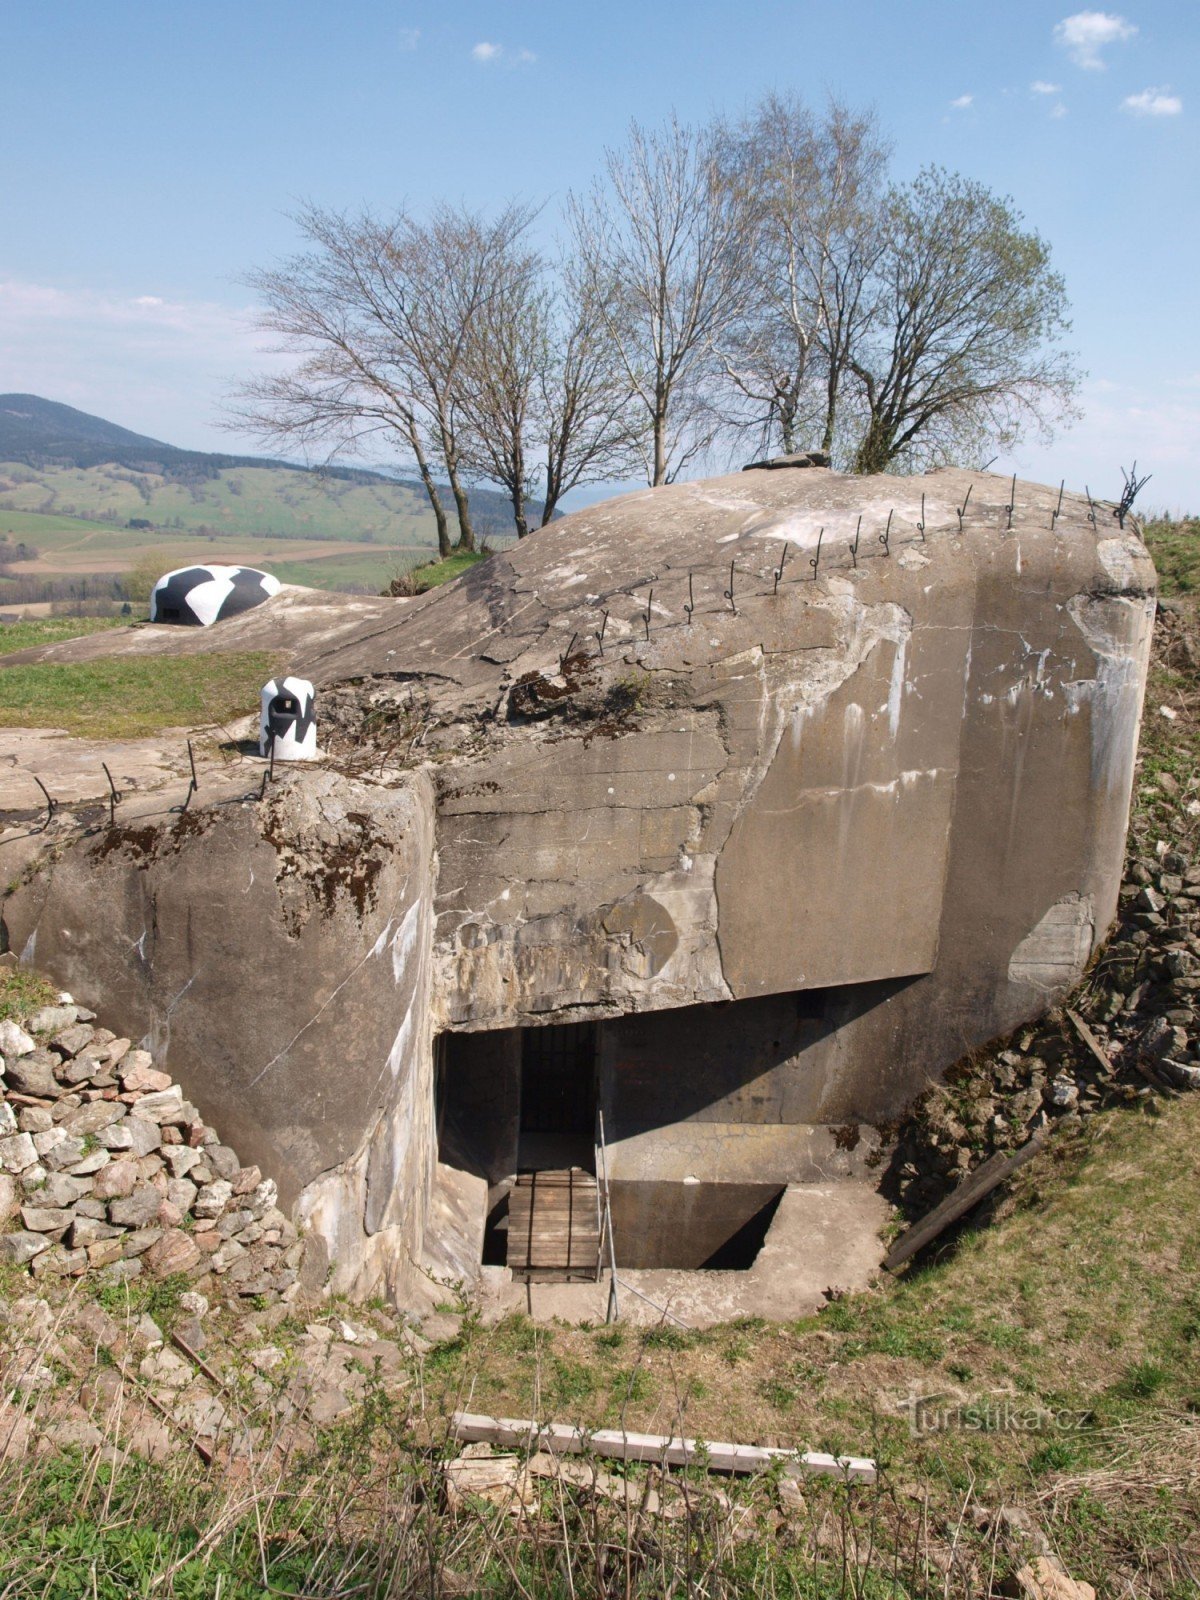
[20, 1248]
[8, 1120]
[135, 1134]
[92, 1118]
[89, 1206]
[14, 1041]
[70, 1041]
[213, 1198]
[9, 1197]
[60, 1189]
[50, 1019]
[138, 1242]
[93, 1161]
[88, 1231]
[35, 1119]
[17, 1153]
[223, 1161]
[33, 1074]
[181, 1193]
[46, 1219]
[137, 1210]
[180, 1159]
[164, 1105]
[67, 1154]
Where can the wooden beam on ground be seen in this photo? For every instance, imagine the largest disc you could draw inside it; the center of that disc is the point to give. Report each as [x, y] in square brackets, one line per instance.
[1089, 1038]
[514, 1433]
[974, 1188]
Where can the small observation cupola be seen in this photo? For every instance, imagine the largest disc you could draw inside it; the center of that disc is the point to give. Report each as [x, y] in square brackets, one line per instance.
[288, 728]
[197, 597]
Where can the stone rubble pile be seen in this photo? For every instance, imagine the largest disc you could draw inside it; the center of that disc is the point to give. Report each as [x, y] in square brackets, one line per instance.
[105, 1167]
[267, 1380]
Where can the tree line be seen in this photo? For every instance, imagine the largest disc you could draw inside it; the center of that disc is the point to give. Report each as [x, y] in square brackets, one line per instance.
[761, 285]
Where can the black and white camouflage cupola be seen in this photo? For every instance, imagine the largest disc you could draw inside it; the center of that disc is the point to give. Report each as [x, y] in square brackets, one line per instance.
[199, 596]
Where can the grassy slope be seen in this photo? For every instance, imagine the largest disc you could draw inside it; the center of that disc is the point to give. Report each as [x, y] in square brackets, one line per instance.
[126, 697]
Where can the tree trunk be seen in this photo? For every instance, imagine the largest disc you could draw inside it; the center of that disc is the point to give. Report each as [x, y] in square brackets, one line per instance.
[439, 511]
[466, 534]
[519, 519]
[830, 415]
[876, 449]
[660, 449]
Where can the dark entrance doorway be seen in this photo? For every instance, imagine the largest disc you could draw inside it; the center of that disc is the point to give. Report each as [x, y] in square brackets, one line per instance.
[558, 1096]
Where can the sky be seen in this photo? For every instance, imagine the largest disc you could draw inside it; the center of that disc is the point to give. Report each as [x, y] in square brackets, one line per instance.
[151, 155]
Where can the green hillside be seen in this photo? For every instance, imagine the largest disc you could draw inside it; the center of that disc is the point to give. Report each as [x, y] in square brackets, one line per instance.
[90, 500]
[275, 501]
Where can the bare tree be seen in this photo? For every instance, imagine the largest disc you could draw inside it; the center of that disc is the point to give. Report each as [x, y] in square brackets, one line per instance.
[664, 241]
[965, 315]
[459, 266]
[546, 396]
[339, 307]
[812, 188]
[382, 314]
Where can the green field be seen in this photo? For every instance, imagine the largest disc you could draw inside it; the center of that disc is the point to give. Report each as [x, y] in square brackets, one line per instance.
[126, 697]
[248, 500]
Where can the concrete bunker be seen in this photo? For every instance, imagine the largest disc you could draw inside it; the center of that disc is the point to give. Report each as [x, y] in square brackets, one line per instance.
[760, 870]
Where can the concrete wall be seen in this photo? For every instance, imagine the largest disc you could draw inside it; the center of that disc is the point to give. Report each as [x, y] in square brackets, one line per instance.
[276, 958]
[914, 770]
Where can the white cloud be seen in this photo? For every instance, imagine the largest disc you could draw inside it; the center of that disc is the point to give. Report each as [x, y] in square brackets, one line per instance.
[1040, 86]
[1058, 111]
[486, 52]
[963, 101]
[408, 38]
[1086, 33]
[1153, 103]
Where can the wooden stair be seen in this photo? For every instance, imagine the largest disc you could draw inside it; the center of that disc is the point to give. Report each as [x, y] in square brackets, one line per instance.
[552, 1226]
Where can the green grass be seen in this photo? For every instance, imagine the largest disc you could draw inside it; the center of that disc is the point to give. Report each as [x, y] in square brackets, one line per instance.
[358, 570]
[128, 697]
[51, 630]
[35, 527]
[1175, 546]
[22, 993]
[439, 572]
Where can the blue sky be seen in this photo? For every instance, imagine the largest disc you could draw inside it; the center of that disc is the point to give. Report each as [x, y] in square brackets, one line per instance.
[150, 153]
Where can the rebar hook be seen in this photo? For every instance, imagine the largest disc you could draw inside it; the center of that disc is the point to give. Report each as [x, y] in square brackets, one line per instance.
[780, 567]
[962, 509]
[1057, 512]
[729, 591]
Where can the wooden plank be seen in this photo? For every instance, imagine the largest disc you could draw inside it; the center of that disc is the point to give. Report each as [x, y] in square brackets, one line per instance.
[1090, 1039]
[974, 1188]
[659, 1449]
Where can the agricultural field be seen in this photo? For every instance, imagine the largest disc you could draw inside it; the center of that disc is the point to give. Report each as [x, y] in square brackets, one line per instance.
[322, 533]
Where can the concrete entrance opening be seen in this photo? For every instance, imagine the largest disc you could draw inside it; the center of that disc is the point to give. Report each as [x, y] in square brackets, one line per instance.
[558, 1098]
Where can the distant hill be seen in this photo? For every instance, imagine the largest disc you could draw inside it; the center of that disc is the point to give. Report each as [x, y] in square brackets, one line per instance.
[90, 497]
